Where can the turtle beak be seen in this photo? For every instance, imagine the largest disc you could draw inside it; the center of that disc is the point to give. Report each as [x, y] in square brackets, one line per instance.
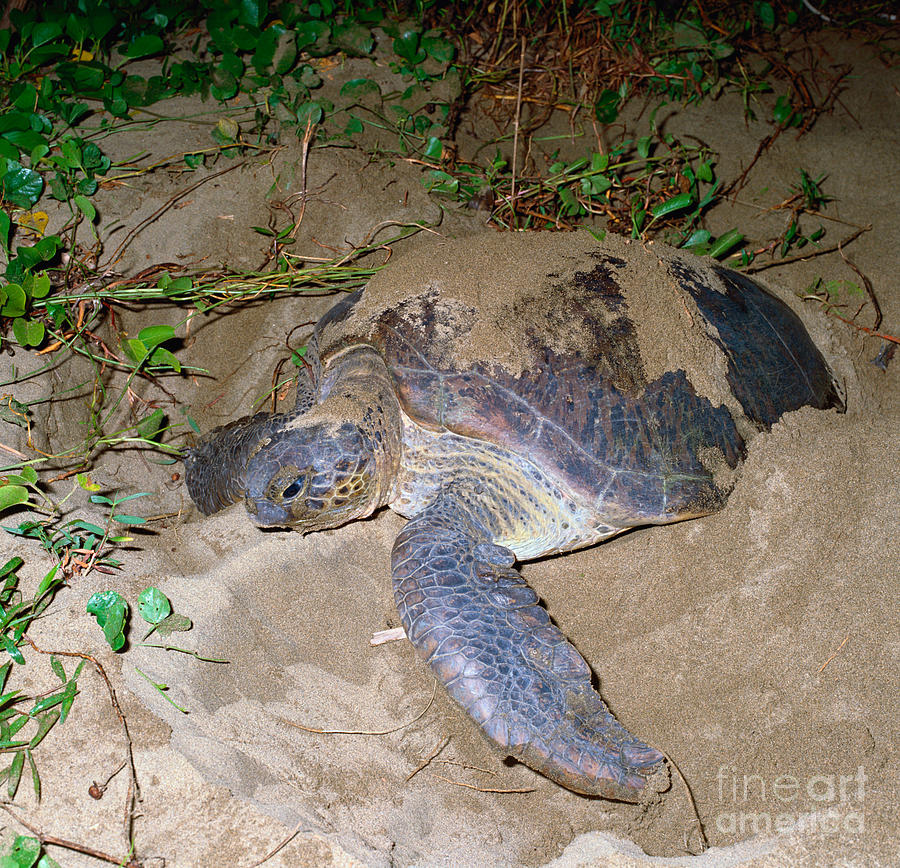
[264, 513]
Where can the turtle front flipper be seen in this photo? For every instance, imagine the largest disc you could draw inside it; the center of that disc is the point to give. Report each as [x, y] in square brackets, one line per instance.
[487, 639]
[215, 467]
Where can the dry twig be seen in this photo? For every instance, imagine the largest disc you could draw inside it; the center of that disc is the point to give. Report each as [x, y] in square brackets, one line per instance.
[74, 846]
[363, 731]
[134, 790]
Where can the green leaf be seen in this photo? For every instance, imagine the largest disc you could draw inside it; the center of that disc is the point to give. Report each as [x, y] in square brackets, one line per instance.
[89, 527]
[136, 349]
[358, 87]
[437, 181]
[23, 187]
[144, 46]
[174, 623]
[766, 14]
[676, 203]
[14, 411]
[153, 605]
[25, 851]
[232, 63]
[309, 113]
[440, 49]
[783, 113]
[35, 777]
[25, 140]
[407, 46]
[150, 426]
[224, 84]
[5, 227]
[12, 649]
[151, 336]
[265, 49]
[48, 581]
[129, 519]
[434, 150]
[595, 185]
[57, 668]
[353, 38]
[309, 78]
[69, 693]
[47, 722]
[86, 208]
[40, 285]
[44, 32]
[161, 356]
[606, 109]
[12, 495]
[14, 121]
[10, 567]
[354, 126]
[253, 12]
[174, 287]
[701, 236]
[133, 496]
[15, 774]
[725, 242]
[46, 702]
[311, 35]
[28, 332]
[111, 611]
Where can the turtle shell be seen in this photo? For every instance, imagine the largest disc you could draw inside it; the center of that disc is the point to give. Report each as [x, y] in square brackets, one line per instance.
[635, 374]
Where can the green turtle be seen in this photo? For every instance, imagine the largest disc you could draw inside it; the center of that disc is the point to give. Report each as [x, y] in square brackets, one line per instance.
[516, 396]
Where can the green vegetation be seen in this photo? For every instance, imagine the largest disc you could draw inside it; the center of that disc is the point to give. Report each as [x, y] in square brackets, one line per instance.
[26, 720]
[74, 73]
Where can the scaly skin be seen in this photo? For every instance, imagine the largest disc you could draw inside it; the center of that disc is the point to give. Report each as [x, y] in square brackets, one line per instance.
[215, 469]
[480, 627]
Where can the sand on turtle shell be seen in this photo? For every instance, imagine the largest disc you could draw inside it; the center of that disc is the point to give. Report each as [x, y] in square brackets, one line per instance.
[501, 284]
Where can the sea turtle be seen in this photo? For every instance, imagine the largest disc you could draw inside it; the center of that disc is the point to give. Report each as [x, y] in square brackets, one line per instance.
[516, 396]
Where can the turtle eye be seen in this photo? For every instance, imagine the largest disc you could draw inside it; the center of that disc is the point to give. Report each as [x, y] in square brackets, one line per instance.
[297, 486]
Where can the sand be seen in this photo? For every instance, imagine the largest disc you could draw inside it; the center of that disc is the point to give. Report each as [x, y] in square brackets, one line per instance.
[757, 647]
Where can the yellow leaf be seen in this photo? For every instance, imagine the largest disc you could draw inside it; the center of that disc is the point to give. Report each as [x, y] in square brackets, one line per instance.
[79, 56]
[36, 220]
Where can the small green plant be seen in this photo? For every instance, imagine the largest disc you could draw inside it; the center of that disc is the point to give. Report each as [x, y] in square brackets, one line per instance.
[843, 297]
[111, 611]
[17, 612]
[807, 197]
[78, 545]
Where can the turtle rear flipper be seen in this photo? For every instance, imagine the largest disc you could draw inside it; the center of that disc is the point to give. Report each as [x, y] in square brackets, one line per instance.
[470, 614]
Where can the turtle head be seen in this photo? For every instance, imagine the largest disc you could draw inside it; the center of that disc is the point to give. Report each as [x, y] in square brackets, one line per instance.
[312, 476]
